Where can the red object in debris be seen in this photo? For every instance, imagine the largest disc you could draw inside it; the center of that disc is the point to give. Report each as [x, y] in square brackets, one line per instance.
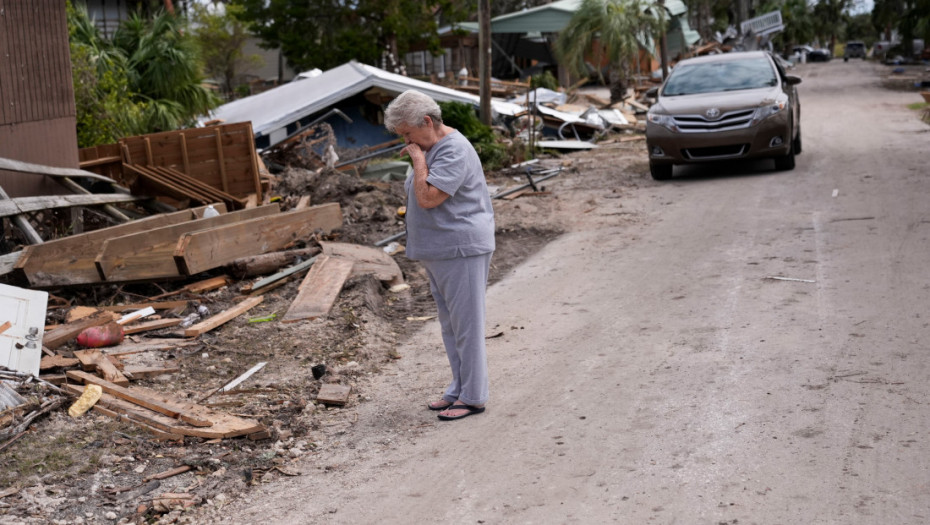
[105, 335]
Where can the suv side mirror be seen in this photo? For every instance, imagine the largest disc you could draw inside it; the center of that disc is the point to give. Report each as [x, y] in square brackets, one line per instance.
[653, 92]
[792, 80]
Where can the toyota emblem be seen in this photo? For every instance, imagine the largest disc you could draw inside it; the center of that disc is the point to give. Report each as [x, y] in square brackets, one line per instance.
[712, 113]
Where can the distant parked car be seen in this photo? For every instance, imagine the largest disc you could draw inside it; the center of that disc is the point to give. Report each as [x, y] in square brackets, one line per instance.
[853, 50]
[819, 55]
[711, 108]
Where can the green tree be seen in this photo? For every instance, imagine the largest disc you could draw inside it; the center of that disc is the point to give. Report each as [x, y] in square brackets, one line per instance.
[612, 29]
[326, 33]
[829, 15]
[103, 99]
[221, 38]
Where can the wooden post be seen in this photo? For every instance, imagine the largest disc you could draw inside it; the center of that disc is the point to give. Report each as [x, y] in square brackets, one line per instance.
[187, 164]
[484, 60]
[219, 159]
[148, 152]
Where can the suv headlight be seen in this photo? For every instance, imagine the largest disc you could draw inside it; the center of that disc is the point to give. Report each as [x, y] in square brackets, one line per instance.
[768, 110]
[666, 121]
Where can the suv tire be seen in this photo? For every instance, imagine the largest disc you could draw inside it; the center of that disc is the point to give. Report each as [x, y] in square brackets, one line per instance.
[661, 171]
[785, 163]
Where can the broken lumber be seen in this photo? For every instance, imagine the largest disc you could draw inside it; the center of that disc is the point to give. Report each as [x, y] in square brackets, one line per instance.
[150, 371]
[163, 305]
[269, 262]
[222, 317]
[149, 255]
[198, 287]
[94, 360]
[367, 260]
[55, 361]
[143, 399]
[162, 425]
[70, 260]
[208, 249]
[5, 326]
[319, 290]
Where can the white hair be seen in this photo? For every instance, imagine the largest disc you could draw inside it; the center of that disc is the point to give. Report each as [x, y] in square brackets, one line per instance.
[409, 108]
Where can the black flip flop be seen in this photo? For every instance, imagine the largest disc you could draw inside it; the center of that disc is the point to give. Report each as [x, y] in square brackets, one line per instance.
[470, 410]
[431, 407]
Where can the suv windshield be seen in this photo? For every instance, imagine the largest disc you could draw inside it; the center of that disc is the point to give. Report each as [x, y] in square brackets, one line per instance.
[729, 75]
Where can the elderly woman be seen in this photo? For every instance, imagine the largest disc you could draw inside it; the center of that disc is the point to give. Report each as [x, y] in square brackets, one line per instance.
[450, 230]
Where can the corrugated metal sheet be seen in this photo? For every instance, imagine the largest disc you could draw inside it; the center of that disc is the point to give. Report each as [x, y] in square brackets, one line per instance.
[37, 113]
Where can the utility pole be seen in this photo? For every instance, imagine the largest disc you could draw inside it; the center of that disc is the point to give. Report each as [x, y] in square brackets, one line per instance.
[663, 40]
[484, 61]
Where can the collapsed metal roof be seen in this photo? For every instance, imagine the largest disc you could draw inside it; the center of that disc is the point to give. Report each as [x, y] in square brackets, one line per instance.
[272, 111]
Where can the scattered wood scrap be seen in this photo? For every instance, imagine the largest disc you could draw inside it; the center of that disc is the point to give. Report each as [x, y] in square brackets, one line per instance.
[164, 416]
[367, 260]
[333, 394]
[94, 360]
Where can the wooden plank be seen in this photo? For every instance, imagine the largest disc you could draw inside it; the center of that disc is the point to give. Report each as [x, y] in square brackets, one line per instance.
[12, 207]
[143, 399]
[333, 394]
[223, 317]
[5, 326]
[186, 161]
[368, 260]
[198, 287]
[150, 255]
[70, 260]
[186, 181]
[152, 183]
[151, 325]
[319, 289]
[208, 249]
[66, 332]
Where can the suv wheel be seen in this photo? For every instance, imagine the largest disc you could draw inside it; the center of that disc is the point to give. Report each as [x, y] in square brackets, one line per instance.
[796, 143]
[785, 163]
[660, 171]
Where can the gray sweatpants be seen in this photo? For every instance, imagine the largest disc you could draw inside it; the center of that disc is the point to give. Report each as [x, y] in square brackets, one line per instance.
[458, 286]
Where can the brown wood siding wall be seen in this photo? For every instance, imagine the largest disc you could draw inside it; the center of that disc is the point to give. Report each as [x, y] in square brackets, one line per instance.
[37, 114]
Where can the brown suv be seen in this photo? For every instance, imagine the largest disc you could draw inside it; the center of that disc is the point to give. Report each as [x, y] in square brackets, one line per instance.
[719, 107]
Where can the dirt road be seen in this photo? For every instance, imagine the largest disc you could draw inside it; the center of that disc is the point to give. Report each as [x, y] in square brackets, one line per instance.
[651, 370]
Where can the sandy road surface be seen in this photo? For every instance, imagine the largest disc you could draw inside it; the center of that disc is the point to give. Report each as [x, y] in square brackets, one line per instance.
[649, 372]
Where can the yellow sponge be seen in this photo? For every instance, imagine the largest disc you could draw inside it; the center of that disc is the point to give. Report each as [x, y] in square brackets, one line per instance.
[90, 396]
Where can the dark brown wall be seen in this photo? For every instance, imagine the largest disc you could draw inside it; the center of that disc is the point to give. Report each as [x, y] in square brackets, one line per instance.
[37, 116]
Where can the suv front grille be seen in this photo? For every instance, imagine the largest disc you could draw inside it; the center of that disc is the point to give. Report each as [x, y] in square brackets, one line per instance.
[716, 152]
[701, 124]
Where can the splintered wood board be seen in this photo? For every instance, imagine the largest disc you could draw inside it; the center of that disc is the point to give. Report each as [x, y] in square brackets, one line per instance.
[208, 249]
[70, 260]
[223, 317]
[367, 260]
[319, 290]
[150, 254]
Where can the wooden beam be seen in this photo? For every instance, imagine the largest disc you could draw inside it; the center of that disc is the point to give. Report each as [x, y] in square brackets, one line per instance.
[207, 249]
[70, 260]
[150, 254]
[20, 220]
[112, 211]
[162, 305]
[319, 289]
[93, 359]
[50, 202]
[223, 317]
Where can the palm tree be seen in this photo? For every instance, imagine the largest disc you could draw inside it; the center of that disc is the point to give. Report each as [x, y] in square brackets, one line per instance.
[164, 70]
[611, 29]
